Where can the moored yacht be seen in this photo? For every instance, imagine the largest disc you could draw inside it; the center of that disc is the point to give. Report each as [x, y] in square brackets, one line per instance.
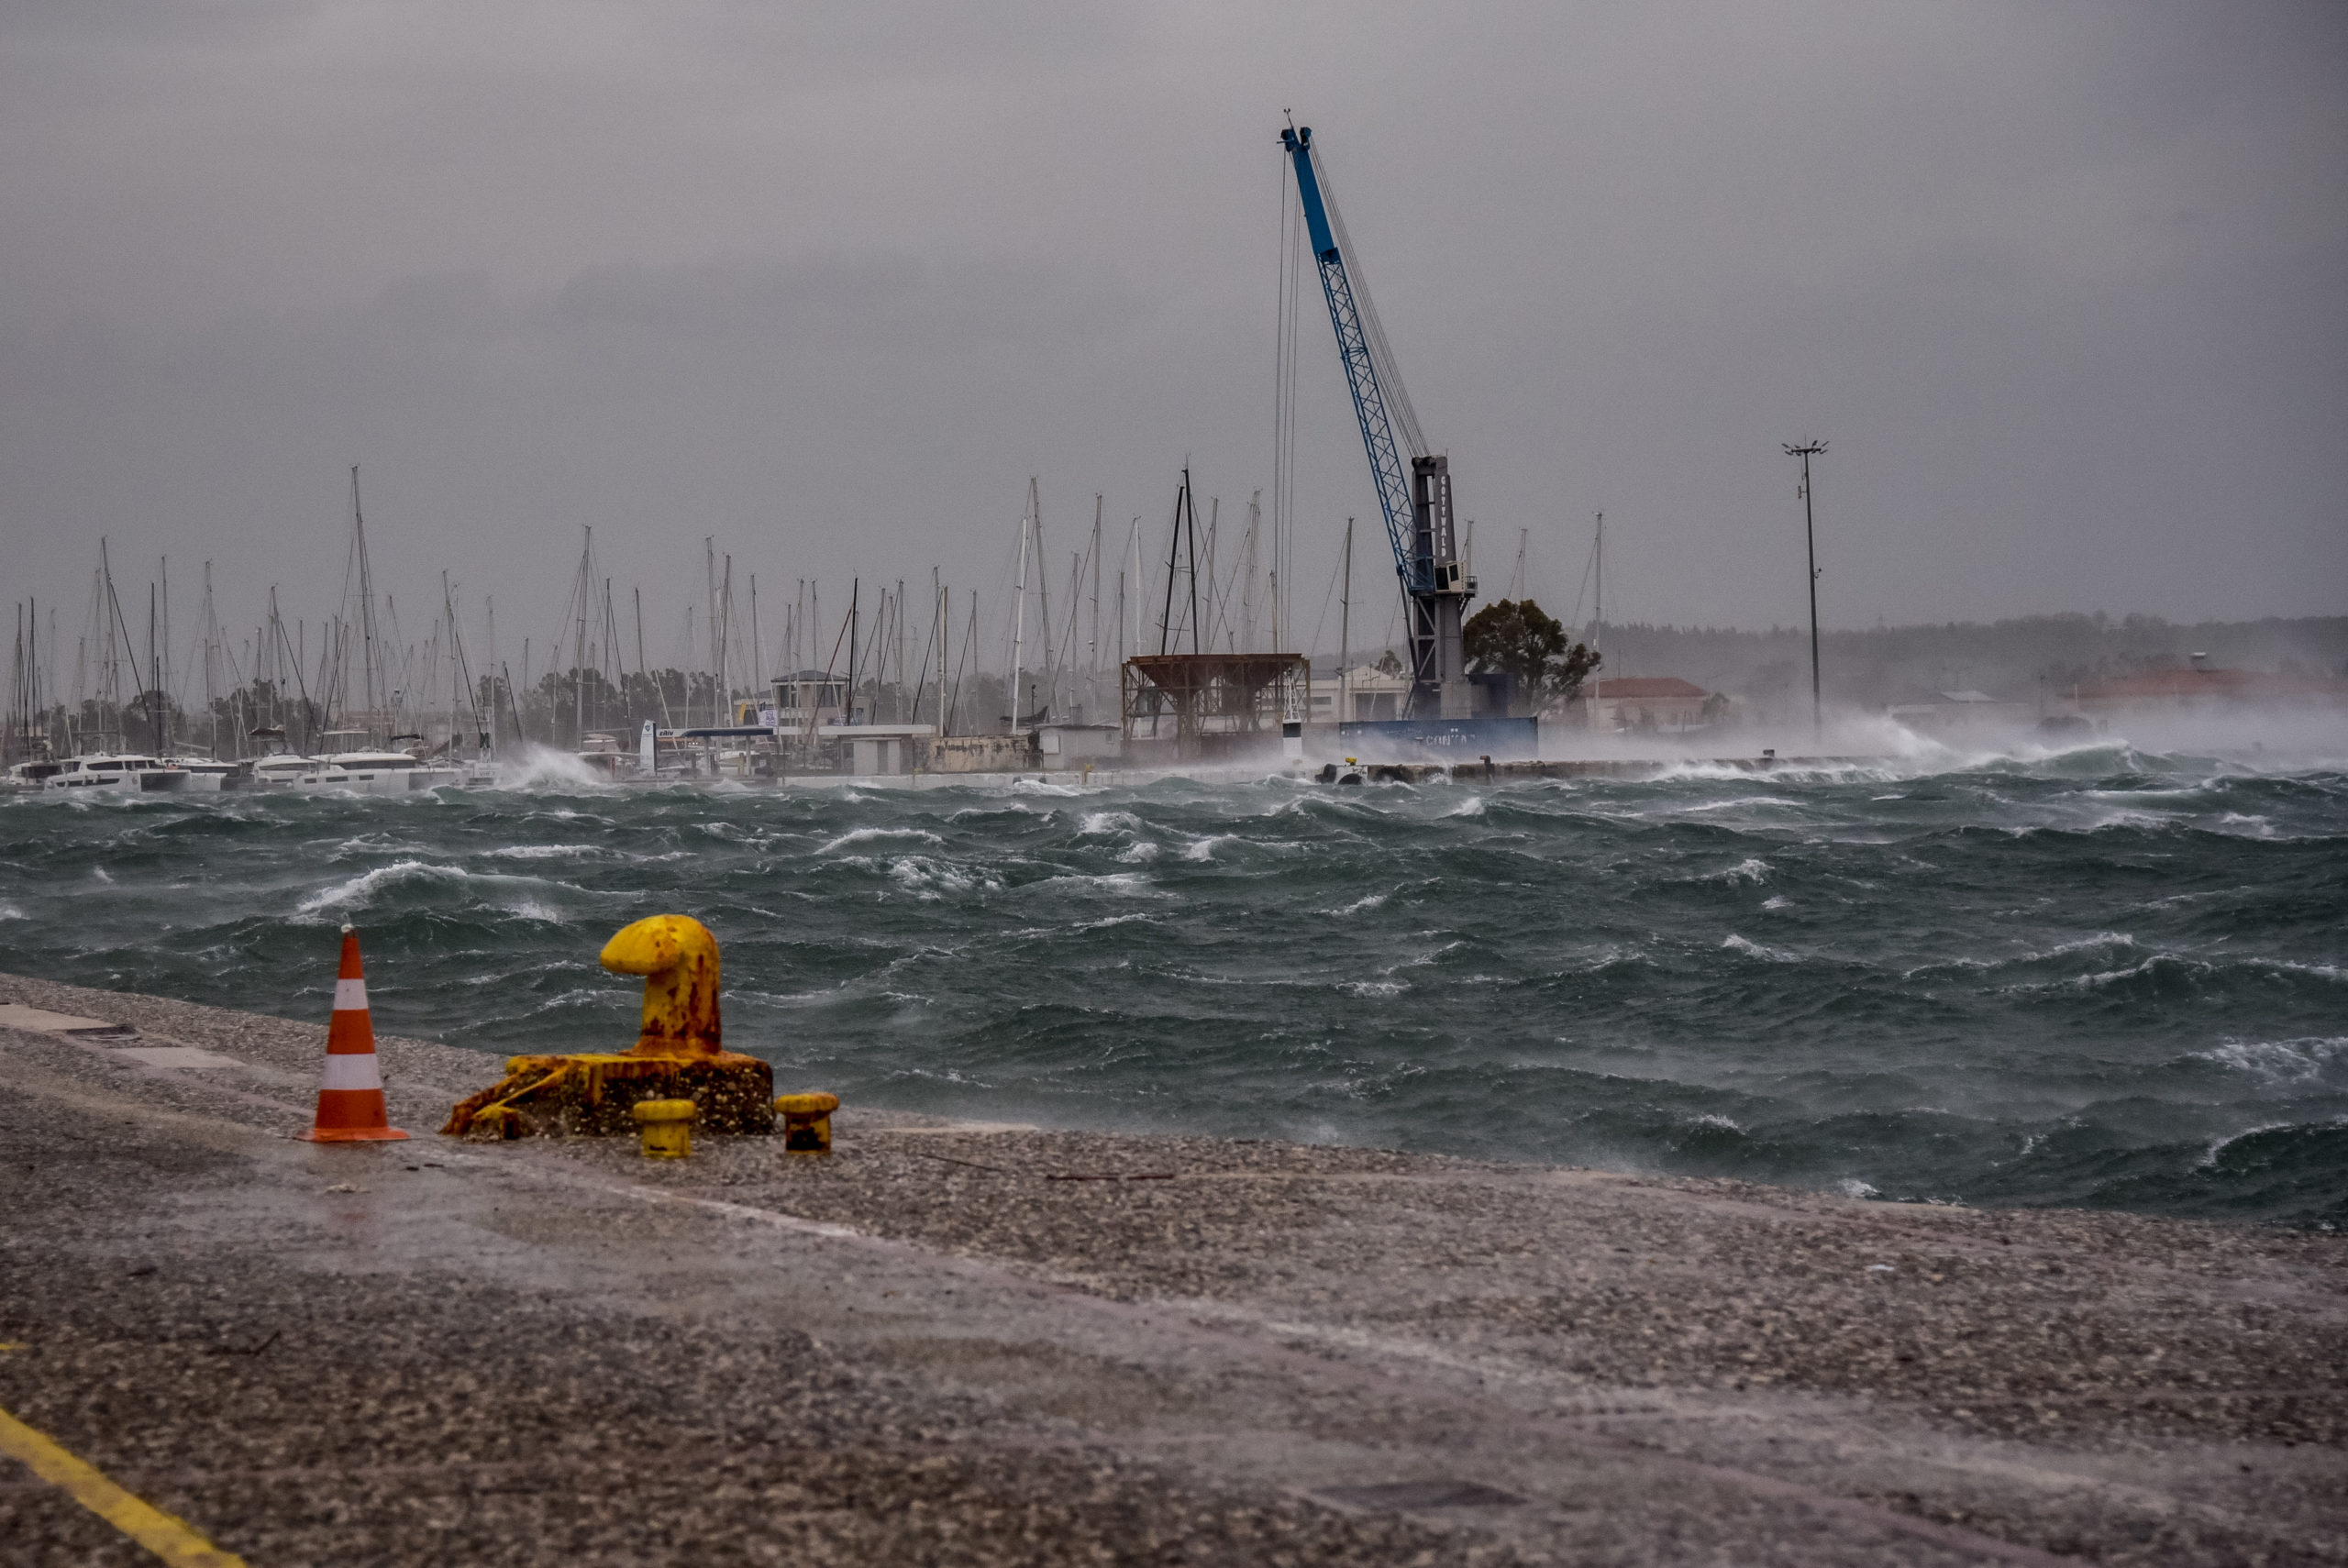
[279, 770]
[31, 775]
[376, 773]
[209, 775]
[122, 771]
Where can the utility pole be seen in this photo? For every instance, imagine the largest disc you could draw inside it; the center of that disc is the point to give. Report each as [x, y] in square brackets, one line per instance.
[1805, 451]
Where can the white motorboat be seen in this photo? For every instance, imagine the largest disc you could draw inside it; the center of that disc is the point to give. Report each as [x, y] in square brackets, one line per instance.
[281, 770]
[375, 773]
[206, 775]
[31, 775]
[123, 771]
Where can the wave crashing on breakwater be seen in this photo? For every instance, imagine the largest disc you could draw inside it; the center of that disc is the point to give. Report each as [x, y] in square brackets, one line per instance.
[2100, 977]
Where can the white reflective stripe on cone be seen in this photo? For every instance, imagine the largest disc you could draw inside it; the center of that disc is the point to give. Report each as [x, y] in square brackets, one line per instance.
[350, 996]
[353, 1070]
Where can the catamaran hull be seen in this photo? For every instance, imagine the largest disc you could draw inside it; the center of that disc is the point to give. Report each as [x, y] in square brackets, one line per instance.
[401, 781]
[156, 779]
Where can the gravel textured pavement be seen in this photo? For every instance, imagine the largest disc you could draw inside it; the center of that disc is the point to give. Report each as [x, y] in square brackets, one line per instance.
[951, 1344]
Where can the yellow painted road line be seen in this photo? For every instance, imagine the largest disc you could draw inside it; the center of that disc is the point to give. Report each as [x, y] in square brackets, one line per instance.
[173, 1540]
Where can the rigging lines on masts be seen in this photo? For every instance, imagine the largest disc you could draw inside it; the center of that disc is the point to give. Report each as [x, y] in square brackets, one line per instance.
[1019, 611]
[1183, 555]
[1031, 550]
[371, 669]
[1093, 645]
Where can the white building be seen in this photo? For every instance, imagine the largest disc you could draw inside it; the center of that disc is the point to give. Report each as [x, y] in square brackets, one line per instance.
[1648, 703]
[1368, 694]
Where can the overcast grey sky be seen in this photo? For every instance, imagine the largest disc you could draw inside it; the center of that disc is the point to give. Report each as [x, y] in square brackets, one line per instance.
[2065, 286]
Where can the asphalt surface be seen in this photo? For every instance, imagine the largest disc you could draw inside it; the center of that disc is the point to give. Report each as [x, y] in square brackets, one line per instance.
[960, 1345]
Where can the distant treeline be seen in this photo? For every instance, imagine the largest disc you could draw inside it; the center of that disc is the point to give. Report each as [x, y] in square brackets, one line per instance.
[2020, 660]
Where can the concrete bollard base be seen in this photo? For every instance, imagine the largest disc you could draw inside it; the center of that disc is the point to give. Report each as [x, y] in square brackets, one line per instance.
[595, 1095]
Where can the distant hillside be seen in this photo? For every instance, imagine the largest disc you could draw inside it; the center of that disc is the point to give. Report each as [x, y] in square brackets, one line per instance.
[2016, 660]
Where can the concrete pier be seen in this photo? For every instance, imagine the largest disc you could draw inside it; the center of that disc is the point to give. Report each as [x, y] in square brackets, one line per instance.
[956, 1343]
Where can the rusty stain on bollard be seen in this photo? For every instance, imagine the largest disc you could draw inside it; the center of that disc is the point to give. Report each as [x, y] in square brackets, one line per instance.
[666, 1127]
[677, 958]
[807, 1122]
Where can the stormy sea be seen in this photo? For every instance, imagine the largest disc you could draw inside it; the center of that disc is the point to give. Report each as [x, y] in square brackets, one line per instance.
[2098, 977]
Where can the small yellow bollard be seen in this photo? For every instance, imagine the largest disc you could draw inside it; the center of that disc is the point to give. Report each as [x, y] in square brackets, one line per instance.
[807, 1122]
[666, 1127]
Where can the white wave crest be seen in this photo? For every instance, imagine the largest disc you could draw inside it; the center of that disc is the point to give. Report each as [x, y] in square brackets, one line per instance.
[1374, 988]
[2218, 1146]
[516, 895]
[1367, 901]
[930, 880]
[1737, 944]
[869, 834]
[1105, 922]
[361, 891]
[1140, 853]
[2280, 1061]
[1096, 823]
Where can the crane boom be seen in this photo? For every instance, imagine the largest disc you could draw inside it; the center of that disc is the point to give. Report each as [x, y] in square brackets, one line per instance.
[1417, 502]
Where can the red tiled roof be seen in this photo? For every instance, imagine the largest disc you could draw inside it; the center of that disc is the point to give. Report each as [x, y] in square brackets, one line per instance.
[1634, 686]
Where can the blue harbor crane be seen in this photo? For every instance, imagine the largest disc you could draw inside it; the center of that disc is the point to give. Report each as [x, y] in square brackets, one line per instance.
[1416, 500]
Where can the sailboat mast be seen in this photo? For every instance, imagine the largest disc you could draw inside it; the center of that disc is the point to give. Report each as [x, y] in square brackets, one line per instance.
[1043, 596]
[1019, 615]
[163, 672]
[371, 673]
[579, 641]
[709, 572]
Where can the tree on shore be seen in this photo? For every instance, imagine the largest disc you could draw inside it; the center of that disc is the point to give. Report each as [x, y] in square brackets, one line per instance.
[1517, 637]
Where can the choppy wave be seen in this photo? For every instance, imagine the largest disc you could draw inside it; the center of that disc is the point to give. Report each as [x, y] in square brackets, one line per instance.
[2092, 976]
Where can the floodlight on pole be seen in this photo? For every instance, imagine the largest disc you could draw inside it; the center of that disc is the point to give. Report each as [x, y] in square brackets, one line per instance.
[1805, 452]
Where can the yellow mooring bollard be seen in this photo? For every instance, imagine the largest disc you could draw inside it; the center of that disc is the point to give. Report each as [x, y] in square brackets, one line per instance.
[666, 1128]
[807, 1122]
[678, 1053]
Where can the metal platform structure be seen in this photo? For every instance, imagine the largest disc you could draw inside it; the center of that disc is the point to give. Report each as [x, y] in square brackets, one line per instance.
[1203, 704]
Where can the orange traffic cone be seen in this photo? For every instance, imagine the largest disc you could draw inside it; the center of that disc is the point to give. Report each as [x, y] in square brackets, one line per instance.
[350, 1100]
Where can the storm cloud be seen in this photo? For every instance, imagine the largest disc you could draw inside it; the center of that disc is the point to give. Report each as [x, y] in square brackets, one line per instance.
[2067, 288]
